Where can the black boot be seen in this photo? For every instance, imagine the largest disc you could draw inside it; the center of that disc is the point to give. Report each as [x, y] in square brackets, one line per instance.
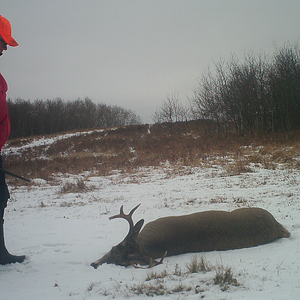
[5, 256]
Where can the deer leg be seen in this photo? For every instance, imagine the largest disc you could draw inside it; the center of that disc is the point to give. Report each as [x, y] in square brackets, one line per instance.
[152, 262]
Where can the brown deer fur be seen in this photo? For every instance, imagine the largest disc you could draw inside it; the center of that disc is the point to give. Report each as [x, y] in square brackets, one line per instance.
[197, 232]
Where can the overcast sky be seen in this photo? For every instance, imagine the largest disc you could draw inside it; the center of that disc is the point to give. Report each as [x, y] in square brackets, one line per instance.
[134, 53]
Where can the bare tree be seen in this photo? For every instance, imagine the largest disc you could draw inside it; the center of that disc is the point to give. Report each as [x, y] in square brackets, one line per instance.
[285, 88]
[171, 110]
[257, 94]
[52, 116]
[207, 102]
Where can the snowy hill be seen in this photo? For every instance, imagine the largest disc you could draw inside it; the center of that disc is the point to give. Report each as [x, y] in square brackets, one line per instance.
[60, 221]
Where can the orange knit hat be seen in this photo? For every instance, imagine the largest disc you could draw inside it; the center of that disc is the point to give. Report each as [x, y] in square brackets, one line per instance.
[5, 32]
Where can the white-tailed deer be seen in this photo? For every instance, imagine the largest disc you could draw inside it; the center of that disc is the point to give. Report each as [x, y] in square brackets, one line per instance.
[198, 232]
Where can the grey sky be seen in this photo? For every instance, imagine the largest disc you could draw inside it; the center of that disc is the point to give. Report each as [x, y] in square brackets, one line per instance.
[134, 53]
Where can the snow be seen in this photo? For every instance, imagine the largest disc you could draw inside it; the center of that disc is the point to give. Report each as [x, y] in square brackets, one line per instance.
[61, 234]
[45, 141]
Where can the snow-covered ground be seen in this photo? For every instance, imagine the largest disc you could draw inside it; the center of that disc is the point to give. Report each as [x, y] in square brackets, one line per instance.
[61, 234]
[45, 141]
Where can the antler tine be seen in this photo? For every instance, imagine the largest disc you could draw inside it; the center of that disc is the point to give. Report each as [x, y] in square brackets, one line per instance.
[134, 209]
[120, 215]
[128, 217]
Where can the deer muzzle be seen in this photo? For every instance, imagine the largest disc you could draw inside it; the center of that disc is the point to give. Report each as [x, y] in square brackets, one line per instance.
[105, 259]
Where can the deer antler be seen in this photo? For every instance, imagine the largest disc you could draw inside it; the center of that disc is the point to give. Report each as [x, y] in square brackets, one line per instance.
[128, 217]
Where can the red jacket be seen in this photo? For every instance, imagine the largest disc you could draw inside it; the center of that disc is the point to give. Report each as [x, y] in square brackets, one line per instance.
[4, 116]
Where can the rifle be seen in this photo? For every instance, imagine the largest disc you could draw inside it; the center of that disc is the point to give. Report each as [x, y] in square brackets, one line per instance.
[14, 175]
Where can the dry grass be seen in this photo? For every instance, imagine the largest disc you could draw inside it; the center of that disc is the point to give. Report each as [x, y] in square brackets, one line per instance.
[225, 278]
[190, 144]
[158, 283]
[156, 275]
[197, 265]
[74, 187]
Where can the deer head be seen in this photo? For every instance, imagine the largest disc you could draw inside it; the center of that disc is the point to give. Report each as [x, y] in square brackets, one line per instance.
[129, 251]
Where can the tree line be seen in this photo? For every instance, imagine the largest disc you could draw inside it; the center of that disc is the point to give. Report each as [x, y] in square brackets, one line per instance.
[262, 93]
[53, 116]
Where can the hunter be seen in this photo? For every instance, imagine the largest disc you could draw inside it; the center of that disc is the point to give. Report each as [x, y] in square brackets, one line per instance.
[5, 39]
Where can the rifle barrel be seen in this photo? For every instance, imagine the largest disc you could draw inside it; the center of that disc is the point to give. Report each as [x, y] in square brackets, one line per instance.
[14, 175]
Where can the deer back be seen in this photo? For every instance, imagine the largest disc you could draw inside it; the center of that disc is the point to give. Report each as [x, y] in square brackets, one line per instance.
[209, 231]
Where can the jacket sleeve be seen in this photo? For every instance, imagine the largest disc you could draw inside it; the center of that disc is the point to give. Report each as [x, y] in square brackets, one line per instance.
[4, 117]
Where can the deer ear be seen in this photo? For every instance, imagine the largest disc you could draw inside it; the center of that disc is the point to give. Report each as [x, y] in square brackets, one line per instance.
[137, 228]
[138, 225]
